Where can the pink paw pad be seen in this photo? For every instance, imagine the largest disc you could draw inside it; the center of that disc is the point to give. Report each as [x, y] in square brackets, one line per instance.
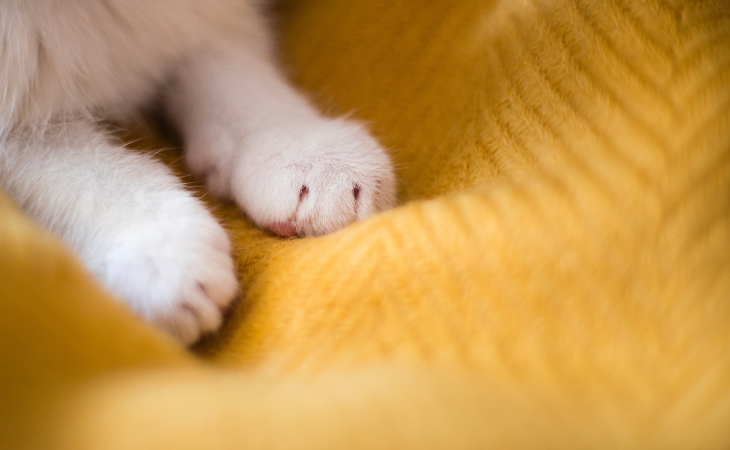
[285, 229]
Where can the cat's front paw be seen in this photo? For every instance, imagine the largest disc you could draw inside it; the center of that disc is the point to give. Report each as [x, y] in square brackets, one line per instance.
[313, 179]
[173, 267]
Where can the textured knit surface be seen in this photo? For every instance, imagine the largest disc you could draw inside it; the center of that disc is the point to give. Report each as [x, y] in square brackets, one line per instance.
[558, 275]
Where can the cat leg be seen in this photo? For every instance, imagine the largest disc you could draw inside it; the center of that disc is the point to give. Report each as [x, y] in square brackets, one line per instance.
[129, 219]
[255, 139]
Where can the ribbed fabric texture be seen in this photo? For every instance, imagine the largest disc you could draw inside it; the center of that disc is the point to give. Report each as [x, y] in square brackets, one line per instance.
[558, 275]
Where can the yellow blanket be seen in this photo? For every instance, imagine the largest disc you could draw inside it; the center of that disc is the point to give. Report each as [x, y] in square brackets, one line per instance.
[558, 275]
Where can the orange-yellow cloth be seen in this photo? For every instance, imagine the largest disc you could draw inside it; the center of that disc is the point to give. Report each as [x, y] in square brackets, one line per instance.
[557, 275]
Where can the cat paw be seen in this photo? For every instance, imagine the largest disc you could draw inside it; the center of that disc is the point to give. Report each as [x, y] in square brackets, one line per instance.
[314, 179]
[174, 268]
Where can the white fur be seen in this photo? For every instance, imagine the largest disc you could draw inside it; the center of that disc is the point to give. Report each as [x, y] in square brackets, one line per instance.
[248, 133]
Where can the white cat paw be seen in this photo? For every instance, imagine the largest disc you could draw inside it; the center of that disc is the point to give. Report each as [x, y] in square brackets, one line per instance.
[313, 179]
[173, 267]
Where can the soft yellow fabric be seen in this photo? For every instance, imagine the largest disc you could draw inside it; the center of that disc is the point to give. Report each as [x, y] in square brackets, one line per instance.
[557, 277]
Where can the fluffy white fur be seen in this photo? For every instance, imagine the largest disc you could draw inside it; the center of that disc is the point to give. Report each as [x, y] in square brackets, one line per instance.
[247, 132]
